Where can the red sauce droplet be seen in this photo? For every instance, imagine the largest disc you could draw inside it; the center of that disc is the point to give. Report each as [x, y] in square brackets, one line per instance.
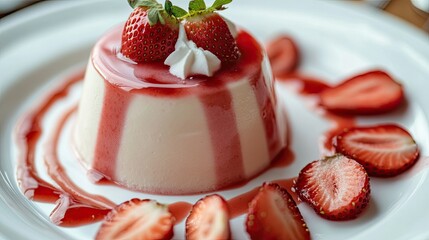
[69, 213]
[180, 210]
[289, 185]
[308, 85]
[340, 123]
[240, 204]
[284, 159]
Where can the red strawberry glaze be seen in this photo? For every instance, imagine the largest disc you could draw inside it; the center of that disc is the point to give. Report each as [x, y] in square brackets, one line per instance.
[74, 206]
[58, 173]
[308, 85]
[125, 79]
[27, 134]
[113, 114]
[227, 153]
[339, 123]
[180, 210]
[69, 213]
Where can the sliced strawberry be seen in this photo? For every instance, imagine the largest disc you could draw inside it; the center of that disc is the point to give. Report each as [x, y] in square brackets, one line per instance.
[369, 93]
[273, 214]
[209, 219]
[149, 40]
[210, 32]
[138, 219]
[384, 150]
[283, 54]
[336, 187]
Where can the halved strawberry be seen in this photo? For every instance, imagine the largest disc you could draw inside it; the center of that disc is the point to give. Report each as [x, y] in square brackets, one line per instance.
[209, 219]
[273, 214]
[283, 54]
[336, 187]
[150, 33]
[138, 219]
[373, 92]
[208, 30]
[384, 150]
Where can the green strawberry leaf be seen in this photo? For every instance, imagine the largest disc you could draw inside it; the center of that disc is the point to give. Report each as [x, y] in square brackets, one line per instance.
[196, 5]
[143, 3]
[218, 4]
[168, 7]
[153, 16]
[160, 18]
[178, 12]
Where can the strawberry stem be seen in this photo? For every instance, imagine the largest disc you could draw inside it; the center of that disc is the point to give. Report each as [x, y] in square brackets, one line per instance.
[156, 11]
[198, 7]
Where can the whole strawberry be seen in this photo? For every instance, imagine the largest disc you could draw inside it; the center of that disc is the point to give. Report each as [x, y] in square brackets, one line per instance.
[150, 32]
[208, 30]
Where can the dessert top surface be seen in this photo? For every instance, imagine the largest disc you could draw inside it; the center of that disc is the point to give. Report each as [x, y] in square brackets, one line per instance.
[131, 76]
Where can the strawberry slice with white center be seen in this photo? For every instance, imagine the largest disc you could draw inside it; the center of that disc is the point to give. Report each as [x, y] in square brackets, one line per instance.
[283, 54]
[373, 92]
[138, 219]
[337, 187]
[273, 214]
[384, 150]
[209, 219]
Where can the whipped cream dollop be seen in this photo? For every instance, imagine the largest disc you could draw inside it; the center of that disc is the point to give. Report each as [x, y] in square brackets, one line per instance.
[188, 59]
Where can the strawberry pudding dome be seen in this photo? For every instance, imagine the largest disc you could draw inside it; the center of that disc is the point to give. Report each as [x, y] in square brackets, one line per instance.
[178, 102]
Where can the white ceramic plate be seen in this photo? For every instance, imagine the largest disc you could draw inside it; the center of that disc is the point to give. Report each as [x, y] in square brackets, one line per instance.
[41, 44]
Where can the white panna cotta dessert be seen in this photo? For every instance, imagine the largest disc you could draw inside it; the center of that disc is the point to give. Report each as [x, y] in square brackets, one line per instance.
[191, 122]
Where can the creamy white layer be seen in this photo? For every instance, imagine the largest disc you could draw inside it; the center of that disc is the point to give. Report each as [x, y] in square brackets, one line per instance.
[166, 142]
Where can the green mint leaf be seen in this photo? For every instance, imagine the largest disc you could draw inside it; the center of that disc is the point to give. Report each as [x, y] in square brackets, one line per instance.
[153, 16]
[196, 5]
[218, 4]
[178, 12]
[168, 7]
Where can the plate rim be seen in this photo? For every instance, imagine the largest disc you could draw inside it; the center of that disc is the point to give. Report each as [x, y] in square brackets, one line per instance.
[52, 7]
